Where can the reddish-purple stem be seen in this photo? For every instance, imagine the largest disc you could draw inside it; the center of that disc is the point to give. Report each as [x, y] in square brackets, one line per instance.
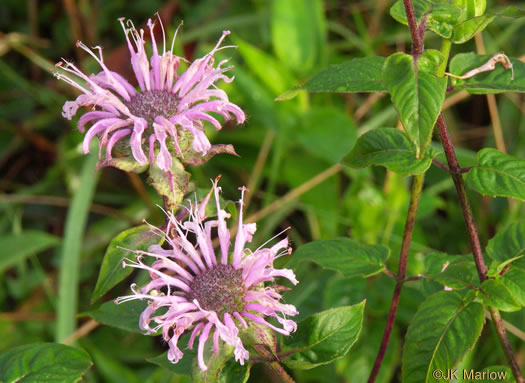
[417, 187]
[456, 173]
[417, 32]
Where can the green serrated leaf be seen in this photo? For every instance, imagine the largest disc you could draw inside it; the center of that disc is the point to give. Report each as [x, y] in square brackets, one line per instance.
[440, 18]
[356, 75]
[495, 81]
[43, 362]
[473, 19]
[417, 93]
[16, 247]
[498, 174]
[476, 22]
[467, 29]
[472, 8]
[458, 20]
[124, 316]
[436, 265]
[496, 294]
[298, 32]
[171, 185]
[183, 366]
[345, 255]
[443, 330]
[111, 270]
[508, 244]
[454, 276]
[323, 337]
[390, 148]
[514, 281]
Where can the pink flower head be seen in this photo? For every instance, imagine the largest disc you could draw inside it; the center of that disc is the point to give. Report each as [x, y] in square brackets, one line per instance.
[211, 295]
[154, 118]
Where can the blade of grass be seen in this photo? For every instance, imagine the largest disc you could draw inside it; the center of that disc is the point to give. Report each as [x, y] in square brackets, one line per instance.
[71, 250]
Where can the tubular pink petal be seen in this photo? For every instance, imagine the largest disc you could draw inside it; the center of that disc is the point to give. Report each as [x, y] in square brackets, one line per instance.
[256, 268]
[202, 341]
[202, 242]
[155, 58]
[97, 128]
[190, 250]
[168, 279]
[176, 253]
[259, 308]
[152, 140]
[194, 334]
[236, 111]
[170, 129]
[104, 138]
[223, 232]
[257, 319]
[136, 141]
[285, 273]
[240, 319]
[205, 117]
[90, 116]
[200, 141]
[282, 244]
[190, 77]
[113, 140]
[288, 324]
[69, 109]
[129, 88]
[240, 353]
[216, 342]
[145, 318]
[207, 237]
[115, 82]
[200, 210]
[110, 80]
[174, 353]
[163, 157]
[173, 266]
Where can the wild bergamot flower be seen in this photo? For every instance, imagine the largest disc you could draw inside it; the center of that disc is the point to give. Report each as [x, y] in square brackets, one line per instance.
[211, 295]
[166, 107]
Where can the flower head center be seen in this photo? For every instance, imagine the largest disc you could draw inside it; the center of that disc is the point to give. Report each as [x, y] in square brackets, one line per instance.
[152, 103]
[220, 289]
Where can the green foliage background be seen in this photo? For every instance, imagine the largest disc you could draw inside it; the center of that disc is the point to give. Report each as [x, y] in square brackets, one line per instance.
[280, 44]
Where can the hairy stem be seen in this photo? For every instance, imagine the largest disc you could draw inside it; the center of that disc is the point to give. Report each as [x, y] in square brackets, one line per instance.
[455, 172]
[273, 363]
[417, 187]
[500, 327]
[417, 38]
